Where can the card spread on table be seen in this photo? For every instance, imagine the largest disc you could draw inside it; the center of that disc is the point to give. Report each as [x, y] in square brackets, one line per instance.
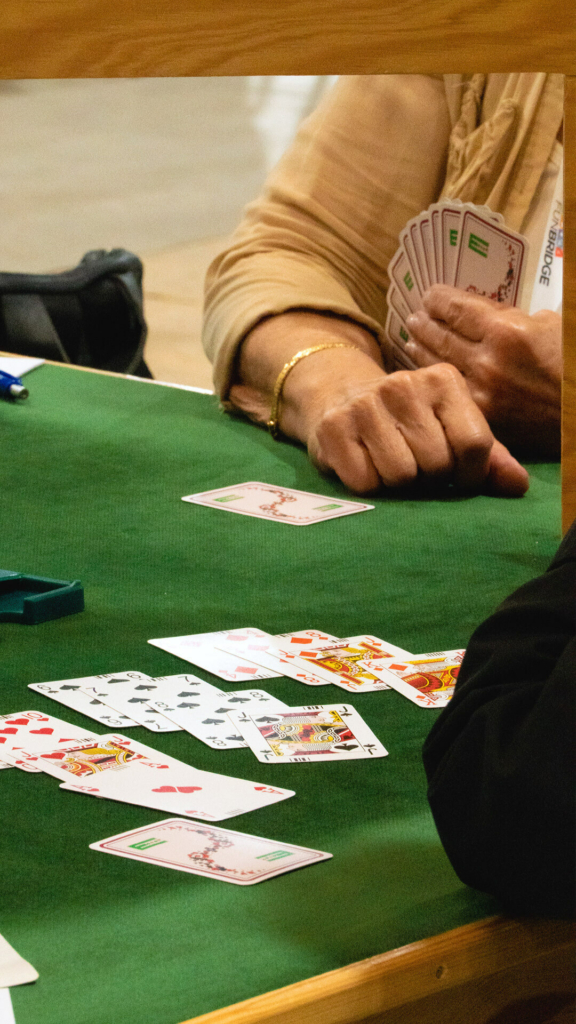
[130, 696]
[259, 647]
[426, 679]
[455, 243]
[252, 644]
[200, 649]
[33, 730]
[186, 689]
[282, 504]
[120, 768]
[346, 663]
[70, 692]
[209, 851]
[209, 722]
[315, 733]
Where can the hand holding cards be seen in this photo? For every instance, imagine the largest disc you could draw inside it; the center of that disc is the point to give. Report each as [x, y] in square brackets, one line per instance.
[466, 246]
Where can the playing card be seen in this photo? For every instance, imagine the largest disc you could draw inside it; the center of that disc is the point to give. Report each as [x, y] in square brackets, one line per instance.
[435, 211]
[346, 663]
[414, 229]
[490, 259]
[70, 693]
[130, 696]
[307, 636]
[34, 730]
[450, 220]
[187, 689]
[401, 273]
[200, 649]
[210, 723]
[427, 246]
[282, 504]
[394, 299]
[120, 768]
[426, 679]
[210, 851]
[253, 645]
[259, 647]
[398, 335]
[315, 733]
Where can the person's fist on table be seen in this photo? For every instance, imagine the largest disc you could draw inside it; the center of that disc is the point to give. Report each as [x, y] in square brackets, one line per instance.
[408, 426]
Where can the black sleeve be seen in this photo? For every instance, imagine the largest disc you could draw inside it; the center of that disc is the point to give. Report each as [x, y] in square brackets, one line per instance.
[500, 757]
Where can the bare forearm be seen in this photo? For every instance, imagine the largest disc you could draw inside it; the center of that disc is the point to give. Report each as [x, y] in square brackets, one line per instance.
[272, 343]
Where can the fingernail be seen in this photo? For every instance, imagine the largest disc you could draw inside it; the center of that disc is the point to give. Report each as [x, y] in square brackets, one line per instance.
[414, 319]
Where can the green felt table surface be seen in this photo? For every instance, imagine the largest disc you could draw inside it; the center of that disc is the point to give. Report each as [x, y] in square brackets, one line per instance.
[93, 470]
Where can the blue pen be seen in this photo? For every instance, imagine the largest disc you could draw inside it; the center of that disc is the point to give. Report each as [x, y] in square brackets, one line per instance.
[11, 387]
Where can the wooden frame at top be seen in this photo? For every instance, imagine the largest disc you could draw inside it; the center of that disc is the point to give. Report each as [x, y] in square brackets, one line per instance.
[129, 38]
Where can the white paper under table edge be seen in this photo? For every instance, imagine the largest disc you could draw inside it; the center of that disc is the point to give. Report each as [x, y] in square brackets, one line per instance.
[6, 1011]
[19, 365]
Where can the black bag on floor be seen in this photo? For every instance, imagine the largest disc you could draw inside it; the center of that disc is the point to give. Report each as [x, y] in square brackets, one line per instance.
[92, 315]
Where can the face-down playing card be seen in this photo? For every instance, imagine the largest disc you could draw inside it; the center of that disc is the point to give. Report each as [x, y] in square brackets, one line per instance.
[120, 768]
[210, 851]
[281, 504]
[209, 722]
[346, 663]
[428, 680]
[490, 260]
[315, 733]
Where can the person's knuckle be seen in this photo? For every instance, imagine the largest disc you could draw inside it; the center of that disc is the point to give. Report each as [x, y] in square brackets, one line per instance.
[331, 423]
[399, 383]
[401, 475]
[445, 374]
[477, 442]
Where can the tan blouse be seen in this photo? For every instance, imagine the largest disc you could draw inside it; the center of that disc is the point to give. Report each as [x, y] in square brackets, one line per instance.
[376, 151]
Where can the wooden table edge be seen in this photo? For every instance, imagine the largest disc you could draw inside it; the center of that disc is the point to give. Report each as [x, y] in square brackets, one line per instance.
[462, 955]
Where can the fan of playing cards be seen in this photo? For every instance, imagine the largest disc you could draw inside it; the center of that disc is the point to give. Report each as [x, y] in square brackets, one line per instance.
[459, 244]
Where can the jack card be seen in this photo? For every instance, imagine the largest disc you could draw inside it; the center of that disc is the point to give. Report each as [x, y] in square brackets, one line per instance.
[315, 733]
[346, 663]
[426, 679]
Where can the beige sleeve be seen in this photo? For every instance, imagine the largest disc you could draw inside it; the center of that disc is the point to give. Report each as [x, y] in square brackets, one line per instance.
[321, 235]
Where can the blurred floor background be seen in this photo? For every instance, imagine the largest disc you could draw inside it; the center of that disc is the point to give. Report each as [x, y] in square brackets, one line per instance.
[160, 166]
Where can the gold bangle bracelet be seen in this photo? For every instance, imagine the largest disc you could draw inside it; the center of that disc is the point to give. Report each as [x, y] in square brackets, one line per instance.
[273, 423]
